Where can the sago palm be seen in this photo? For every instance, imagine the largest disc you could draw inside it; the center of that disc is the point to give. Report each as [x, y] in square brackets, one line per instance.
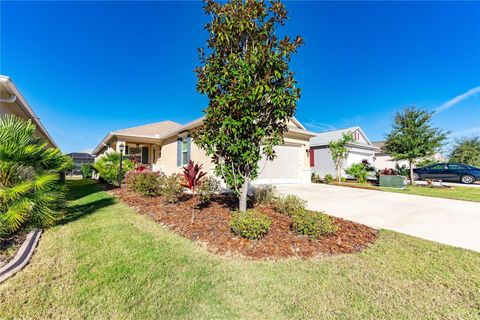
[29, 189]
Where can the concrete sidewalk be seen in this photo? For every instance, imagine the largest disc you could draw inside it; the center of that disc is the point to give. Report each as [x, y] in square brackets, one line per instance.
[452, 222]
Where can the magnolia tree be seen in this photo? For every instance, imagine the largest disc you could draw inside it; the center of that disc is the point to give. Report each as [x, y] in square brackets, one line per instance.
[339, 152]
[413, 137]
[245, 74]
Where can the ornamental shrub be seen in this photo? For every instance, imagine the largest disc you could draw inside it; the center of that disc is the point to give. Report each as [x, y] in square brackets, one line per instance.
[290, 204]
[146, 183]
[312, 223]
[87, 170]
[250, 224]
[328, 178]
[209, 186]
[264, 194]
[108, 167]
[170, 188]
[316, 178]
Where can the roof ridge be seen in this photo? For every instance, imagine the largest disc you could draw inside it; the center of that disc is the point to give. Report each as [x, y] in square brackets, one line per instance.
[354, 127]
[146, 125]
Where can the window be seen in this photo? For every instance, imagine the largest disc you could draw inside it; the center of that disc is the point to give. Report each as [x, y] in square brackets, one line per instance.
[456, 167]
[184, 151]
[437, 167]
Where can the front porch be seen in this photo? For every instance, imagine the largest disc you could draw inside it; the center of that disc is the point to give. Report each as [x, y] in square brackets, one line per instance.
[144, 153]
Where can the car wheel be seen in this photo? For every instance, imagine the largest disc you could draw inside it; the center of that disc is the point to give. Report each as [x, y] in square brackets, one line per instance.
[467, 179]
[416, 176]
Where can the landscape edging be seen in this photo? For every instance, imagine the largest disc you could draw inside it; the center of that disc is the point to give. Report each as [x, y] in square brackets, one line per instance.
[22, 257]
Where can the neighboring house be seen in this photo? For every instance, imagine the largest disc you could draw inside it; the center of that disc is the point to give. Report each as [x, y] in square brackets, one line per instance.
[384, 160]
[321, 160]
[167, 146]
[79, 158]
[12, 102]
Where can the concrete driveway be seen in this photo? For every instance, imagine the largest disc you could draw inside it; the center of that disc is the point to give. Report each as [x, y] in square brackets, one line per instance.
[452, 222]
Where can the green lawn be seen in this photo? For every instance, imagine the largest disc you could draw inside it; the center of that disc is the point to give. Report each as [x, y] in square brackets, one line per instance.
[458, 193]
[107, 262]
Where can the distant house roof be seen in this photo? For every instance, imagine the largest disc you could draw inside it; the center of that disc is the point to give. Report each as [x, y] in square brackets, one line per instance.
[154, 130]
[379, 144]
[81, 155]
[324, 138]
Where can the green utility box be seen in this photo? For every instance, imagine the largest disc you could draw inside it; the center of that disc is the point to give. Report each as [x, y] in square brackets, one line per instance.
[393, 181]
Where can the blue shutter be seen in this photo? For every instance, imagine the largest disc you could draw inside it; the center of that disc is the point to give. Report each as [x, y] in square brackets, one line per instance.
[179, 152]
[189, 147]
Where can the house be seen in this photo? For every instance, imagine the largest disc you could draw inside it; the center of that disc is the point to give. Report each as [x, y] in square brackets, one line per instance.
[79, 158]
[384, 160]
[12, 102]
[321, 160]
[167, 146]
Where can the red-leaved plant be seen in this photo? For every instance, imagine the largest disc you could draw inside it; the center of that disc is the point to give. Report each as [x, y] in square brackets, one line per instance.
[192, 173]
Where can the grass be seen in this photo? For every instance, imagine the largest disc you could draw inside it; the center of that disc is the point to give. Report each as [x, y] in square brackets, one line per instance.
[107, 262]
[457, 193]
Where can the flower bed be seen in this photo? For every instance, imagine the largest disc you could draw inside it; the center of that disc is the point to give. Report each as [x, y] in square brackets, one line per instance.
[210, 225]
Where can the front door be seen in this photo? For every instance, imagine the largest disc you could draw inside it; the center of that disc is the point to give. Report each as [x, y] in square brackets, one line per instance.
[144, 155]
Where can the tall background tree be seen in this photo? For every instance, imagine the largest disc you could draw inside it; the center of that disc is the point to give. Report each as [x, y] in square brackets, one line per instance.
[245, 74]
[413, 136]
[339, 151]
[467, 151]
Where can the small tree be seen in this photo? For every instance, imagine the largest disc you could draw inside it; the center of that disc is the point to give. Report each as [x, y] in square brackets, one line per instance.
[339, 152]
[467, 151]
[251, 90]
[413, 136]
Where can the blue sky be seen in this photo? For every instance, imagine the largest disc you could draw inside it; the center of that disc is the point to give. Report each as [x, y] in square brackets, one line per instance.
[88, 68]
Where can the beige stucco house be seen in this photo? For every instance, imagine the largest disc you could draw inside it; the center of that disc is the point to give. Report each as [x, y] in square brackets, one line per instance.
[12, 102]
[167, 146]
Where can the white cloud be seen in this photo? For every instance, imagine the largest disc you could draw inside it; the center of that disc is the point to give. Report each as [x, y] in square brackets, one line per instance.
[450, 103]
[465, 132]
[318, 126]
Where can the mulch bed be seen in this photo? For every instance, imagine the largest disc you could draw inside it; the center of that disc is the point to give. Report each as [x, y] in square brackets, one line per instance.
[9, 246]
[210, 225]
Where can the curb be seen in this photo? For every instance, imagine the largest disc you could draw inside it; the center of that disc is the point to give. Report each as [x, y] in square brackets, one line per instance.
[22, 257]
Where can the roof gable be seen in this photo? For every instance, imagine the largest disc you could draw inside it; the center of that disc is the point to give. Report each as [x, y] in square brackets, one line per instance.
[324, 138]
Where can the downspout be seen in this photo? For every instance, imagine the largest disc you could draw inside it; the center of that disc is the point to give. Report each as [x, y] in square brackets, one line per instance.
[12, 99]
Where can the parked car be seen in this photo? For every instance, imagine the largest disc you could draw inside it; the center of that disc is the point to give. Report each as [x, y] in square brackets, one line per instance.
[448, 172]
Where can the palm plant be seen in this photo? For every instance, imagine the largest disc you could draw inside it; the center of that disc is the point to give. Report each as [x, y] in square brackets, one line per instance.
[29, 189]
[108, 166]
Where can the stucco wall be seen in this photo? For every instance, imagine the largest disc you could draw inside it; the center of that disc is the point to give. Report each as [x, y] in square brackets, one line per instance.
[324, 163]
[383, 161]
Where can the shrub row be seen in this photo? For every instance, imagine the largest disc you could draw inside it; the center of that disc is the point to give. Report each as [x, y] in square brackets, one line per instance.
[254, 225]
[150, 184]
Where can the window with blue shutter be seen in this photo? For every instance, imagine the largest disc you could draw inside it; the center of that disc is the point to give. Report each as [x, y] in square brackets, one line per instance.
[179, 152]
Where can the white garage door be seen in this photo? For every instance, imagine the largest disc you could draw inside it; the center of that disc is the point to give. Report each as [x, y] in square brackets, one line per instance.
[285, 168]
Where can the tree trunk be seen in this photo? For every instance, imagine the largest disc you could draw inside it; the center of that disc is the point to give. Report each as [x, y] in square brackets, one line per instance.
[242, 200]
[411, 172]
[339, 175]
